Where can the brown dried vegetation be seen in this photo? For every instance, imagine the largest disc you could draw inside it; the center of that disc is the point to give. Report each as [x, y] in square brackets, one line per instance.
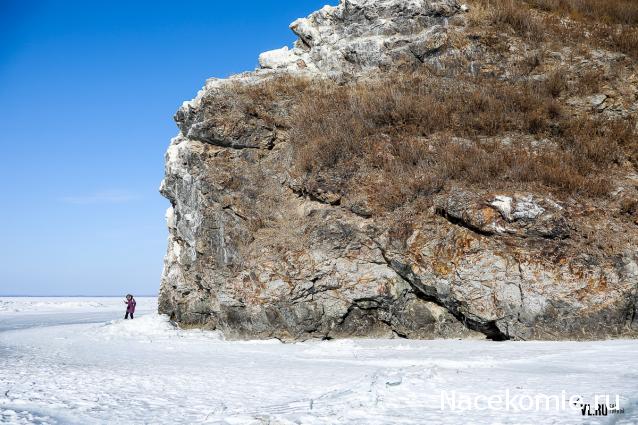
[401, 137]
[609, 23]
[406, 137]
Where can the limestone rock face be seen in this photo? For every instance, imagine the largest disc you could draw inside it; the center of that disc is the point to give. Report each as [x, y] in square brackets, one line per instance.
[251, 255]
[310, 271]
[360, 34]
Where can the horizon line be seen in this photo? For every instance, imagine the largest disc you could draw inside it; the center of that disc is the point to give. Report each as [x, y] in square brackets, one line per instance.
[71, 296]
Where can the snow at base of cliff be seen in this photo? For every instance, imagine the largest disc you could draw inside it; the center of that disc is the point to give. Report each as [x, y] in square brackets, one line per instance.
[148, 371]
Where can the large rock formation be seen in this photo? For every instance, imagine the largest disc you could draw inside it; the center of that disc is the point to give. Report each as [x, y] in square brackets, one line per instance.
[255, 254]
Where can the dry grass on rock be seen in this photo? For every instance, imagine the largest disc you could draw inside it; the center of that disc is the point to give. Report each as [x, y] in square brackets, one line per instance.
[408, 136]
[401, 137]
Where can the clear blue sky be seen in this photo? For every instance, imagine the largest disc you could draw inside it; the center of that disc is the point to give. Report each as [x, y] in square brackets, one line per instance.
[87, 94]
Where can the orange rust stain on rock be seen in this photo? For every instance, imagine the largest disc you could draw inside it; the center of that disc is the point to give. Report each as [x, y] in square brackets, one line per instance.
[462, 244]
[597, 285]
[489, 215]
[440, 268]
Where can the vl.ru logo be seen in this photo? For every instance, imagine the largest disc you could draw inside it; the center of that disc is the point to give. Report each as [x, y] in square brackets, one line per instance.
[602, 406]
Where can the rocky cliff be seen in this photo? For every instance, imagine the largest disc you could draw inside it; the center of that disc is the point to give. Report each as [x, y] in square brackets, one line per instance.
[412, 168]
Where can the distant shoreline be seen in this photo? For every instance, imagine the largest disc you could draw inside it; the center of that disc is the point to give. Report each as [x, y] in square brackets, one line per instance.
[71, 296]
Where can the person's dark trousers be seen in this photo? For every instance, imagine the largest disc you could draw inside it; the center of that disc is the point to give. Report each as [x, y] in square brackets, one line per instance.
[126, 315]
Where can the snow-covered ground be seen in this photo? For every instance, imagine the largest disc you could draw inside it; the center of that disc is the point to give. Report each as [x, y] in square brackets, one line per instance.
[56, 368]
[28, 312]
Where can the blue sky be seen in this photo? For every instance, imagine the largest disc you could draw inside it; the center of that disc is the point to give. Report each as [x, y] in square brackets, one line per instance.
[87, 95]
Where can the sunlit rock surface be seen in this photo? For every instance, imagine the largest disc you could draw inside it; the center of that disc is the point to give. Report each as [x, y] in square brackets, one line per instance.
[250, 255]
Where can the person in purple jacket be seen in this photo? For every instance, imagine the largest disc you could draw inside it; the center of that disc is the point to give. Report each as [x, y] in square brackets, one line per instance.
[130, 306]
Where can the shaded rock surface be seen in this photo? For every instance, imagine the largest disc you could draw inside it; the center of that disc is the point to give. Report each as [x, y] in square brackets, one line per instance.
[252, 255]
